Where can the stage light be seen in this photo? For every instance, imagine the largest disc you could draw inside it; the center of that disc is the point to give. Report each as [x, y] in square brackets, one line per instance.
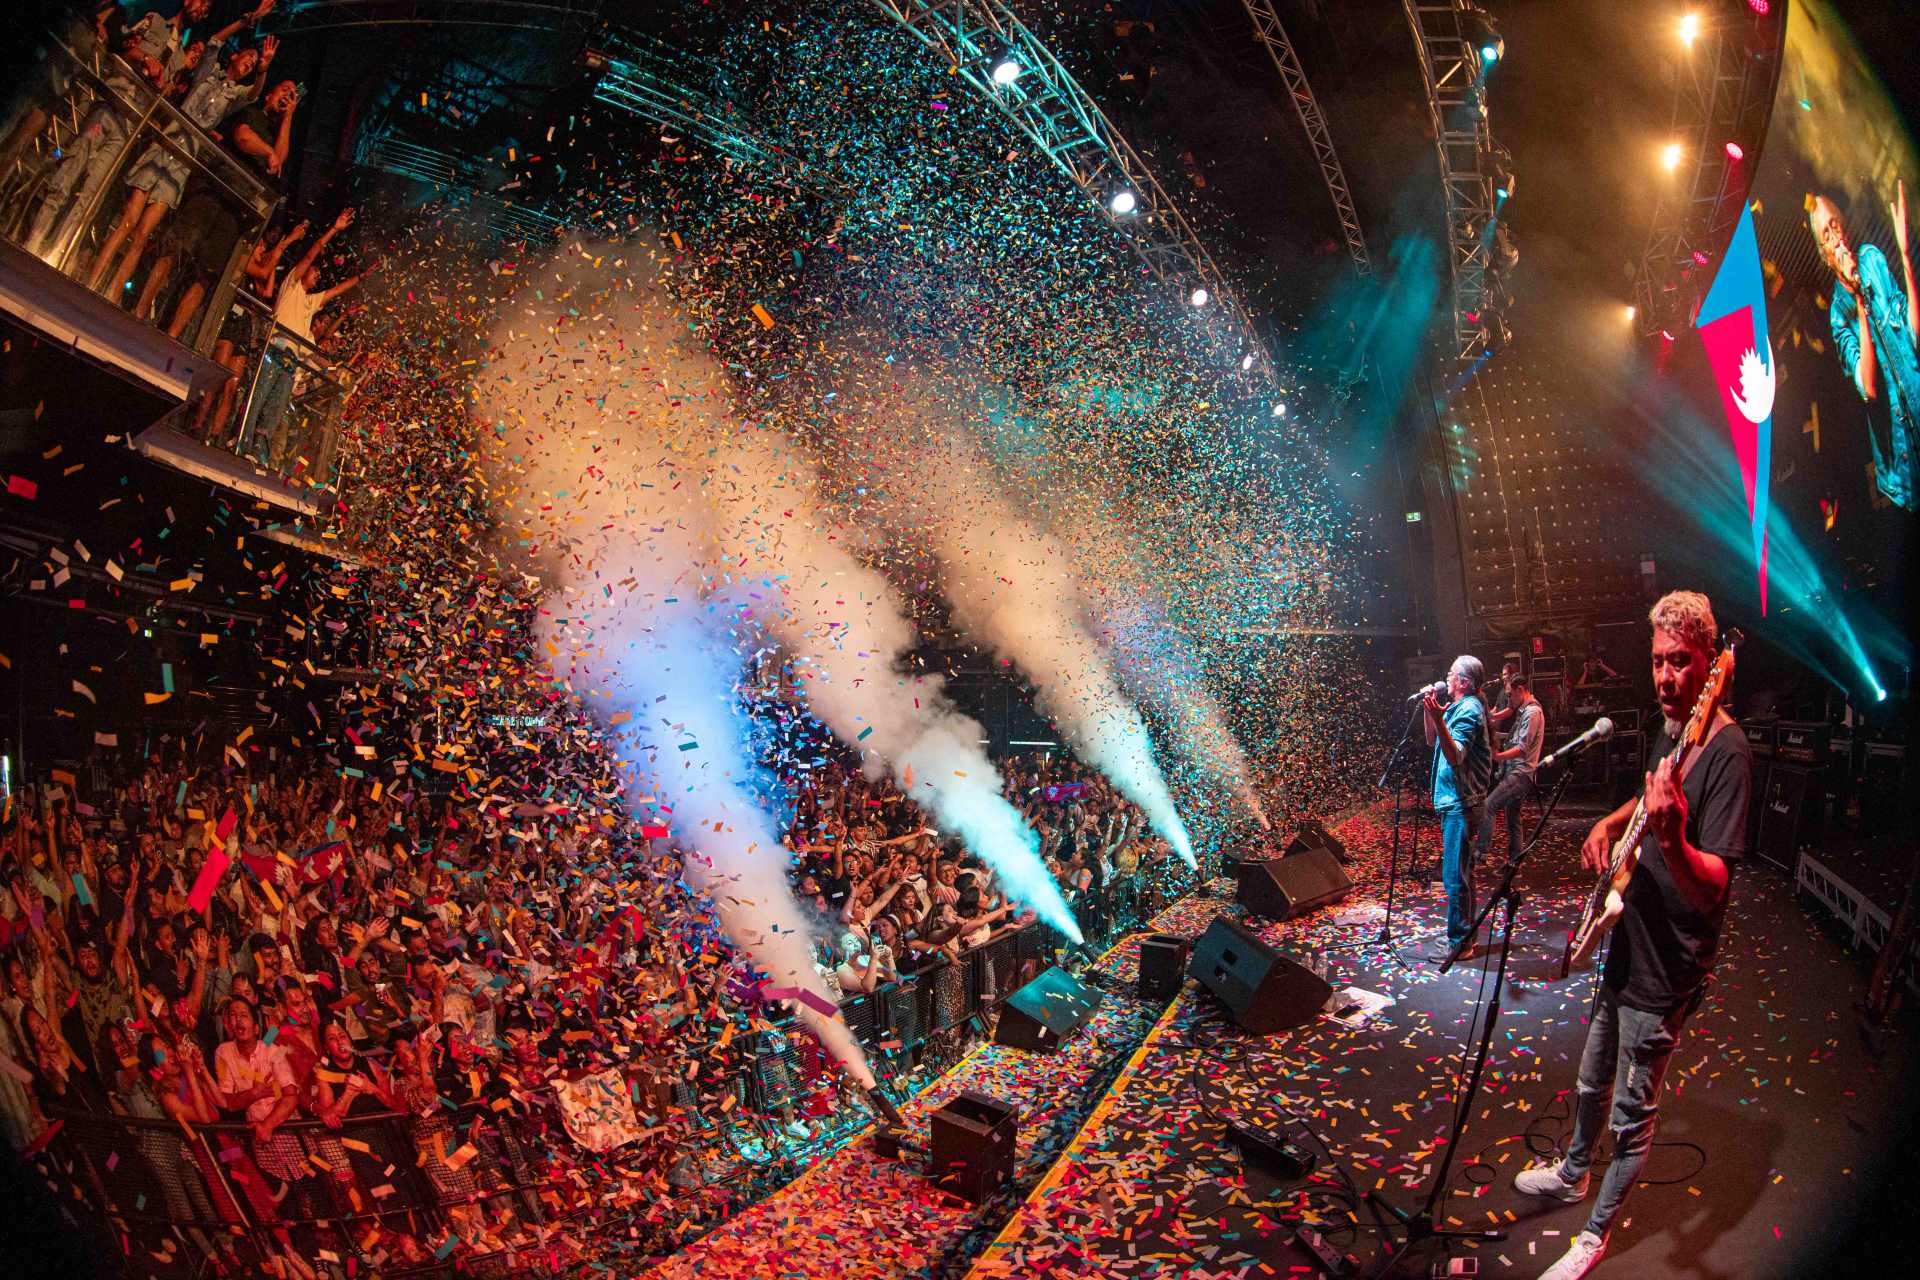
[1279, 408]
[1006, 71]
[1666, 335]
[1689, 29]
[1482, 34]
[1735, 151]
[1246, 362]
[1879, 694]
[1670, 156]
[1758, 6]
[1631, 312]
[1123, 202]
[1199, 297]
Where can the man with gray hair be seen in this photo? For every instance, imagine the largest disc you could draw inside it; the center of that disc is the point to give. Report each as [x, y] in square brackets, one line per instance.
[1462, 771]
[1661, 952]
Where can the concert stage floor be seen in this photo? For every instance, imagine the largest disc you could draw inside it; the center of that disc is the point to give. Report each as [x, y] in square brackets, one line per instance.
[1774, 1083]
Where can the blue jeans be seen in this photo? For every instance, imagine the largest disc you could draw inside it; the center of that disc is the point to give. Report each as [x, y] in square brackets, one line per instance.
[1624, 1063]
[1504, 800]
[1457, 823]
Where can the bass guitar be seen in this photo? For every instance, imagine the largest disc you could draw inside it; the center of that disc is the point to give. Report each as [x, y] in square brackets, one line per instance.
[1608, 899]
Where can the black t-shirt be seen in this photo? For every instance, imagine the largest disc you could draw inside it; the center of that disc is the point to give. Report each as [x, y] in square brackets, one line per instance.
[1663, 947]
[264, 125]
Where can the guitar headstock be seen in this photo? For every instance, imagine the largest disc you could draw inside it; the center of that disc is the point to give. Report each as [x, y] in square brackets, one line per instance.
[1714, 690]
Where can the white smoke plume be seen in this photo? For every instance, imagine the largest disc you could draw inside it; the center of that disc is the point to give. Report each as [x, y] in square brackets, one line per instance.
[767, 556]
[1012, 586]
[591, 491]
[1157, 666]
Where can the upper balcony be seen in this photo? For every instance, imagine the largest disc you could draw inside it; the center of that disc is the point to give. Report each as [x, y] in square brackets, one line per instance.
[125, 229]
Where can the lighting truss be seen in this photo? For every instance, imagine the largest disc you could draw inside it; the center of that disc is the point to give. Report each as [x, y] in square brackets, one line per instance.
[1451, 69]
[1059, 118]
[1721, 92]
[653, 81]
[463, 176]
[1267, 26]
[569, 17]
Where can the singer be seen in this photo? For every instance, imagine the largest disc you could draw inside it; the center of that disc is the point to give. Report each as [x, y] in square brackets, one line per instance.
[1876, 323]
[1661, 958]
[1462, 769]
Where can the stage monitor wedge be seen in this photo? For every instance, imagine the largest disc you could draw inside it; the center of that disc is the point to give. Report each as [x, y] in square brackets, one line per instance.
[1264, 990]
[1282, 888]
[1041, 1015]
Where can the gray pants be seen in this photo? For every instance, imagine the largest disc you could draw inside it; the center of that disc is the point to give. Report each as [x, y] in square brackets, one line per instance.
[1625, 1062]
[1505, 799]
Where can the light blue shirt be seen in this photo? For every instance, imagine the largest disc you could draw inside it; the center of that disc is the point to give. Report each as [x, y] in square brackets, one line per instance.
[1891, 415]
[1466, 724]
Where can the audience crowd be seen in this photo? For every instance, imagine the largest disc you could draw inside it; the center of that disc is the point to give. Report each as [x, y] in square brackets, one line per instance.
[261, 942]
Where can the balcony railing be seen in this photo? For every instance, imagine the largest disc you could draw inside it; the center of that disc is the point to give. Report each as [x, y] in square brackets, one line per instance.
[86, 132]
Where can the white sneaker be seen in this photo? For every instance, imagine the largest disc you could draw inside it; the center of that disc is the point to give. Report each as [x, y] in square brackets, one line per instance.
[1545, 1180]
[798, 1129]
[1581, 1257]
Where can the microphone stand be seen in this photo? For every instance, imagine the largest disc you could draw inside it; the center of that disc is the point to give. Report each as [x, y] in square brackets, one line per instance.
[1391, 777]
[1420, 1226]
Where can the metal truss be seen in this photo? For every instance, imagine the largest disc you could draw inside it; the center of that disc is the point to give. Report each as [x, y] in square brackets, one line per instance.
[1721, 92]
[1267, 26]
[1456, 108]
[566, 17]
[653, 80]
[1048, 105]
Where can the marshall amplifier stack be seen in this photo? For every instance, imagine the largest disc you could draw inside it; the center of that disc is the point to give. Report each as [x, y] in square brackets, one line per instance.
[1797, 760]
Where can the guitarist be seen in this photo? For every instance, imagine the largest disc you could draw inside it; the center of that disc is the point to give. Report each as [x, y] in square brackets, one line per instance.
[1662, 952]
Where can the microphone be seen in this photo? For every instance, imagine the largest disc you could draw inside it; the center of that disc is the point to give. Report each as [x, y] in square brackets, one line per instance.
[1437, 688]
[1601, 731]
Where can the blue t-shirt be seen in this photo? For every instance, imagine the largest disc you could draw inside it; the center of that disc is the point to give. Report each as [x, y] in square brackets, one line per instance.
[1466, 723]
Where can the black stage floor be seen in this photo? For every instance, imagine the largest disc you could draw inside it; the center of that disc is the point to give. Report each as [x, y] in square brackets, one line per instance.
[1776, 1109]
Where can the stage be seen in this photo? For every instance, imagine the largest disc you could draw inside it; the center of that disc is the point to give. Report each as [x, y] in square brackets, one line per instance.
[1773, 1114]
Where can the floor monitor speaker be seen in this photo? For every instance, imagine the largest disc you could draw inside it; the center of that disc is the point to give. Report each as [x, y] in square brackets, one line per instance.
[1282, 888]
[1041, 1015]
[1263, 989]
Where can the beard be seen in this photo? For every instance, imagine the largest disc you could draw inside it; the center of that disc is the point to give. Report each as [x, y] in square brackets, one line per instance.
[1674, 728]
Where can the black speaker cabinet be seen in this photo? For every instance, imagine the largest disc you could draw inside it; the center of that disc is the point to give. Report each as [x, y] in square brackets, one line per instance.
[1163, 966]
[972, 1149]
[1311, 836]
[1786, 800]
[1282, 888]
[1264, 990]
[1042, 1014]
